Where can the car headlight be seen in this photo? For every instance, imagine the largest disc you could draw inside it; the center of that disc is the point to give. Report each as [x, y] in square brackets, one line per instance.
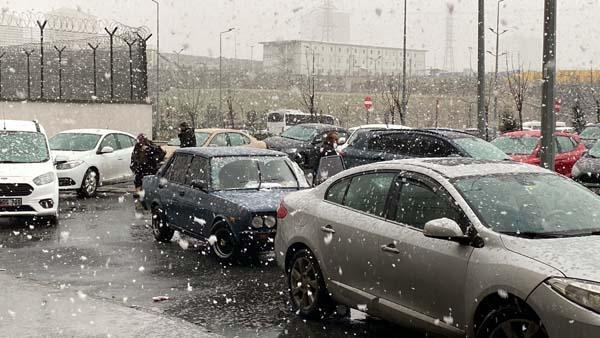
[584, 293]
[68, 165]
[44, 178]
[258, 222]
[270, 221]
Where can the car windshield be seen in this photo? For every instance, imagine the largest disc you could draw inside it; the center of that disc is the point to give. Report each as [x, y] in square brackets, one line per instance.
[480, 149]
[201, 138]
[300, 133]
[591, 132]
[516, 145]
[532, 204]
[265, 172]
[74, 142]
[23, 147]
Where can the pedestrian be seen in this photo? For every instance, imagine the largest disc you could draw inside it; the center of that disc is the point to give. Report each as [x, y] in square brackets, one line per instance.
[327, 149]
[187, 136]
[145, 159]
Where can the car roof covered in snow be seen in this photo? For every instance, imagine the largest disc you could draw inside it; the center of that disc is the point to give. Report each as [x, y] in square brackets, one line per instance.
[228, 151]
[94, 131]
[20, 125]
[456, 167]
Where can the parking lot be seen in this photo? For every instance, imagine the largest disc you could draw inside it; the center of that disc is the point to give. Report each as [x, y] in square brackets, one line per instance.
[104, 248]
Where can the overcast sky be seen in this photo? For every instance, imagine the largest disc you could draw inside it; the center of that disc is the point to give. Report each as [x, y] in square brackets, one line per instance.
[196, 24]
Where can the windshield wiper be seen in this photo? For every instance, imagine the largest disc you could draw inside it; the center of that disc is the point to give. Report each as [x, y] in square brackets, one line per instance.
[533, 234]
[259, 176]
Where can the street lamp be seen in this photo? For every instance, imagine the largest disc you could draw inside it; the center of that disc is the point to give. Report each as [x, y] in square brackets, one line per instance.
[158, 124]
[497, 55]
[221, 68]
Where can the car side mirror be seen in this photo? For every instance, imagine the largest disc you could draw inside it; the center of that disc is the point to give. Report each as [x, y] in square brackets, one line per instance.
[445, 228]
[106, 150]
[341, 140]
[200, 185]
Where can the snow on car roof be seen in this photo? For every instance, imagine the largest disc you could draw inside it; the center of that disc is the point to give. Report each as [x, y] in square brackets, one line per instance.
[461, 167]
[19, 125]
[93, 131]
[228, 151]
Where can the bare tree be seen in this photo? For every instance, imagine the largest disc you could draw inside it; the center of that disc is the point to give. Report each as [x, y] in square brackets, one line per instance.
[518, 84]
[392, 97]
[230, 100]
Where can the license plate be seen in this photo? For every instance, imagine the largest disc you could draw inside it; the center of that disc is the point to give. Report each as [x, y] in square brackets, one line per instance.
[10, 202]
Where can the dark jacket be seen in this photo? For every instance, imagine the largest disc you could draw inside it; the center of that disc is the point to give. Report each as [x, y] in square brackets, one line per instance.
[327, 150]
[187, 138]
[146, 160]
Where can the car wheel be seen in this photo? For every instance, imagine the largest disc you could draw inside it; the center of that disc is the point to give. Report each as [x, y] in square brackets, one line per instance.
[160, 229]
[89, 185]
[510, 321]
[308, 292]
[225, 246]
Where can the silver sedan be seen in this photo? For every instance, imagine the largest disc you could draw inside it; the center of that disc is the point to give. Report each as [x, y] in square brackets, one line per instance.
[451, 246]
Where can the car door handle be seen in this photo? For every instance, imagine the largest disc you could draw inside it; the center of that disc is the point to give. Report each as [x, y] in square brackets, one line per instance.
[328, 229]
[391, 248]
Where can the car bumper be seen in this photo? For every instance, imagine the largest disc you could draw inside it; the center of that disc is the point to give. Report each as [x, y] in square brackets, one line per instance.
[261, 240]
[71, 179]
[561, 317]
[30, 205]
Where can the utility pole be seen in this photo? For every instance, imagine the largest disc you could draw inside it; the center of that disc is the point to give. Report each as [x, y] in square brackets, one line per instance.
[497, 56]
[482, 122]
[547, 150]
[221, 69]
[158, 122]
[404, 98]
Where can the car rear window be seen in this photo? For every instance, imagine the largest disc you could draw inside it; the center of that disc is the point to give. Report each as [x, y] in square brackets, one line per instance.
[516, 145]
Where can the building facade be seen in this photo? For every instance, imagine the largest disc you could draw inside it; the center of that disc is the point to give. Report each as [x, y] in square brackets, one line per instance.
[341, 59]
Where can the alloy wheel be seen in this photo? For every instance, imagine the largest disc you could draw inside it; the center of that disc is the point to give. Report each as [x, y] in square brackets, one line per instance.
[304, 283]
[90, 183]
[518, 328]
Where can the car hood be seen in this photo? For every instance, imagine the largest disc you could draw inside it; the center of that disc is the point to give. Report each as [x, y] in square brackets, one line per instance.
[31, 170]
[282, 143]
[65, 155]
[576, 257]
[253, 200]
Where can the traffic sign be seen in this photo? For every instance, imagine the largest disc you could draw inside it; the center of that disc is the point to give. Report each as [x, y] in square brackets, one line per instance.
[557, 105]
[368, 103]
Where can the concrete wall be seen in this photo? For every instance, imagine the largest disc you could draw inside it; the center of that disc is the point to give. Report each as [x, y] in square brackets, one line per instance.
[56, 117]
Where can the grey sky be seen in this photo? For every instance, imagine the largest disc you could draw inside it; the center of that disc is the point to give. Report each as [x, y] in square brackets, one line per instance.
[196, 23]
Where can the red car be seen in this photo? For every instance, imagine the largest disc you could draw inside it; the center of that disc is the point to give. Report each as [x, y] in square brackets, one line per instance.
[524, 146]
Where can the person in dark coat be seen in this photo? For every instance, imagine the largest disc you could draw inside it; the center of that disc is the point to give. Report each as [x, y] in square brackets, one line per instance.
[187, 137]
[145, 159]
[327, 149]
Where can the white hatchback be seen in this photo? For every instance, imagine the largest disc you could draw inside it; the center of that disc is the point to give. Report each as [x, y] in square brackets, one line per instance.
[28, 182]
[88, 158]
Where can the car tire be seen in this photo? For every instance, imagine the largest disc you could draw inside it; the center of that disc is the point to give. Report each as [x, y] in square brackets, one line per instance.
[160, 229]
[308, 294]
[513, 319]
[89, 184]
[225, 246]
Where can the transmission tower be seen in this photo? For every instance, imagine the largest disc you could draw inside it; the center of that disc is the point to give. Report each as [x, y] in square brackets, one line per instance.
[327, 26]
[449, 56]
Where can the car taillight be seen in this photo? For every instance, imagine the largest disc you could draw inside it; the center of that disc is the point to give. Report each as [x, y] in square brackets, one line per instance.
[282, 211]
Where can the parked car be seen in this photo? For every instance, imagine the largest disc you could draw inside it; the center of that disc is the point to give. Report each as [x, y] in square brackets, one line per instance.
[524, 146]
[364, 128]
[587, 170]
[229, 194]
[378, 145]
[217, 138]
[456, 246]
[88, 158]
[303, 142]
[590, 135]
[28, 182]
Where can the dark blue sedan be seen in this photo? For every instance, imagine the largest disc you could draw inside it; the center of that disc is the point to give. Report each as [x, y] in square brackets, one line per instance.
[228, 196]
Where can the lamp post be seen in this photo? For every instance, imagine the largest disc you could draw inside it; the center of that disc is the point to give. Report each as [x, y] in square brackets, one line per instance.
[404, 97]
[497, 56]
[221, 68]
[482, 121]
[158, 124]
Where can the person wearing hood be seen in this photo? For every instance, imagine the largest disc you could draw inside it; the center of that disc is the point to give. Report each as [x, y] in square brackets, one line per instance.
[145, 159]
[187, 137]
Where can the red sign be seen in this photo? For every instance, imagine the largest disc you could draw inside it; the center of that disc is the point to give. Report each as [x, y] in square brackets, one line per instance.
[557, 105]
[368, 103]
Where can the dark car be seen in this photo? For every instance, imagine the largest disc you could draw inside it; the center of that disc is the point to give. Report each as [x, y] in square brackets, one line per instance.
[587, 170]
[228, 196]
[303, 142]
[383, 145]
[590, 135]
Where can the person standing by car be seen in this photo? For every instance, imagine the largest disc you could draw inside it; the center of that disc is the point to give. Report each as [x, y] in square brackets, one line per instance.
[145, 159]
[187, 137]
[327, 149]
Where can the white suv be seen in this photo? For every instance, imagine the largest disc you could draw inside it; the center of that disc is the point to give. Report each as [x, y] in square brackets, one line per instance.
[28, 181]
[87, 158]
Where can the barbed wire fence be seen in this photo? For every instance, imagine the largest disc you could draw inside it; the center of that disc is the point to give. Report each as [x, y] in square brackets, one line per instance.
[73, 59]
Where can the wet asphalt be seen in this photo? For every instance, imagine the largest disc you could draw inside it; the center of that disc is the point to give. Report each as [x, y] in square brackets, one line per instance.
[104, 247]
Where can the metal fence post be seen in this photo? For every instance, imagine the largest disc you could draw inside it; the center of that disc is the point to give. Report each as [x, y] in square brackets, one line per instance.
[130, 44]
[142, 51]
[42, 26]
[112, 35]
[1, 56]
[28, 54]
[94, 48]
[60, 51]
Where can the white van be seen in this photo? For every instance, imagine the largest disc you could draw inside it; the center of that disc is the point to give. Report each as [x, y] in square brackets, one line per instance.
[28, 181]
